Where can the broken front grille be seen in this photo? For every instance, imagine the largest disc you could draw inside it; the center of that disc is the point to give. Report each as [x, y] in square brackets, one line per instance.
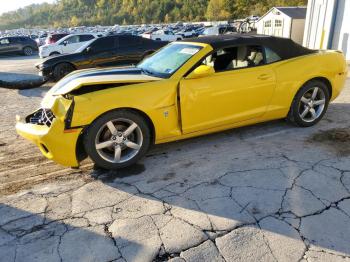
[41, 117]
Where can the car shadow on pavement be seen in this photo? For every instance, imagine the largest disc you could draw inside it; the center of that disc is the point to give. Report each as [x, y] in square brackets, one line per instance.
[34, 92]
[273, 181]
[270, 190]
[33, 236]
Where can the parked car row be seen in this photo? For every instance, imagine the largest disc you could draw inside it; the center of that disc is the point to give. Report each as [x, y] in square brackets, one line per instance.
[66, 45]
[18, 45]
[114, 50]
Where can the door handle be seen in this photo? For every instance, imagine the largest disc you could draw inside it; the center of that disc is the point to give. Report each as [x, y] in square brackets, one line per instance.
[264, 77]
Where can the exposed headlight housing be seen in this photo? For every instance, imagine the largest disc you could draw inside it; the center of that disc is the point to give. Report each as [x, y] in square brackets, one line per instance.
[42, 116]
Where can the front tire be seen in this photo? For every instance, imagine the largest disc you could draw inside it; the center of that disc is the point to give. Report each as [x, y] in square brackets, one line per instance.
[117, 139]
[309, 104]
[61, 70]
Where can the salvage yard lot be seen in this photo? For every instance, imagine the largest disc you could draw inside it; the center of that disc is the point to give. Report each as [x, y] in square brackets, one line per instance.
[270, 192]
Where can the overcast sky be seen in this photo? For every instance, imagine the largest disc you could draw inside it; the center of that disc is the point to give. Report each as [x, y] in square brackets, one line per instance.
[11, 5]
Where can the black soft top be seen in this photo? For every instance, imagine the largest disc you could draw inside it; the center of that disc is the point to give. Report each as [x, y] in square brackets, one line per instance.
[284, 47]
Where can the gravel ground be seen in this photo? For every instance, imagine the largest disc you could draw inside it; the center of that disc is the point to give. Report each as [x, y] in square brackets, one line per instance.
[270, 192]
[19, 64]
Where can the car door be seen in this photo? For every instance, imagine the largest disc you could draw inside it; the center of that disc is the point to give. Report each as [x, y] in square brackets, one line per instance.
[129, 50]
[103, 52]
[19, 44]
[74, 42]
[5, 46]
[236, 92]
[70, 44]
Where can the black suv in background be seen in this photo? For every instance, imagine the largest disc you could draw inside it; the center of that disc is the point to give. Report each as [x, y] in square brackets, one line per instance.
[17, 45]
[114, 50]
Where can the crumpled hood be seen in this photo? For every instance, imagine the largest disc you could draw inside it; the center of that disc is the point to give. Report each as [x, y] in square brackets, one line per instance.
[80, 78]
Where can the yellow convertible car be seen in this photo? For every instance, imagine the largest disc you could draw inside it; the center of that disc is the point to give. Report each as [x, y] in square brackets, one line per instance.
[188, 88]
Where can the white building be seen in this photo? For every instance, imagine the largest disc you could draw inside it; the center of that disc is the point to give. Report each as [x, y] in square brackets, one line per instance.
[285, 22]
[328, 25]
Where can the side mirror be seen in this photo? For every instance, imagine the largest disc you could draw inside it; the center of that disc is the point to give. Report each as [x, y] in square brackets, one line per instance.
[65, 43]
[88, 49]
[201, 71]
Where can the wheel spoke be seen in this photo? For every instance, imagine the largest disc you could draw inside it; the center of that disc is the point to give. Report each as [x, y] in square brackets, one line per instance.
[314, 93]
[130, 129]
[304, 113]
[111, 127]
[104, 145]
[304, 100]
[313, 113]
[319, 102]
[117, 153]
[132, 145]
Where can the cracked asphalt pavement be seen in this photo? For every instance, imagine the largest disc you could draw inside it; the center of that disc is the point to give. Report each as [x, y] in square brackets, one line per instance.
[269, 192]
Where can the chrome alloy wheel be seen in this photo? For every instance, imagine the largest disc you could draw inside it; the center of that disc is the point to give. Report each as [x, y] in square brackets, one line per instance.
[28, 51]
[312, 104]
[118, 140]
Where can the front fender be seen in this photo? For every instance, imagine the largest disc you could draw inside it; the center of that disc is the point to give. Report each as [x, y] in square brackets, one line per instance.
[157, 100]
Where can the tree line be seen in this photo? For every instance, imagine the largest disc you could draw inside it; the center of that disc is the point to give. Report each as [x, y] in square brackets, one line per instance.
[69, 13]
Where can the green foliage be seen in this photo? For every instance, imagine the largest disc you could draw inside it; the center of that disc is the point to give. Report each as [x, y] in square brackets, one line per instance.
[66, 13]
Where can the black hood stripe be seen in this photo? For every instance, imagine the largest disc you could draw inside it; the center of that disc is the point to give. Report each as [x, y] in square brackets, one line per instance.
[114, 71]
[131, 71]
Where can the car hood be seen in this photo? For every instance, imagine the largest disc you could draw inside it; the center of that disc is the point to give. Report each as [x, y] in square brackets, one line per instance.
[51, 60]
[81, 78]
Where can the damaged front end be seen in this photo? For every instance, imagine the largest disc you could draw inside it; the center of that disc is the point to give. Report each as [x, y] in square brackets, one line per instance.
[57, 127]
[49, 128]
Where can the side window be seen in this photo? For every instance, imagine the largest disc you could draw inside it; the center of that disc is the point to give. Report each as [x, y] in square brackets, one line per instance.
[267, 23]
[103, 44]
[278, 23]
[125, 41]
[271, 56]
[235, 58]
[84, 38]
[72, 40]
[4, 41]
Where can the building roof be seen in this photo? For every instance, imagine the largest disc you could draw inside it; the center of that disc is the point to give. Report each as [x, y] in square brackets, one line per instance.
[294, 12]
[284, 47]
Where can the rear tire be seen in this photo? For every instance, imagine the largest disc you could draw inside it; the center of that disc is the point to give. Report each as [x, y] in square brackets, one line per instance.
[28, 51]
[117, 139]
[61, 70]
[309, 104]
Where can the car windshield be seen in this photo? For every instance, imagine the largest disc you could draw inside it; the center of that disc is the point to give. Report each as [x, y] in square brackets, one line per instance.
[168, 60]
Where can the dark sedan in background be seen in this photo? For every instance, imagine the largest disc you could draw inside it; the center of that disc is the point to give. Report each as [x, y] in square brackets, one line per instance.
[115, 50]
[17, 45]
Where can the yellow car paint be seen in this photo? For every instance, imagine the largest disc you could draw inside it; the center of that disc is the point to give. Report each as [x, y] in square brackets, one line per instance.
[183, 106]
[53, 142]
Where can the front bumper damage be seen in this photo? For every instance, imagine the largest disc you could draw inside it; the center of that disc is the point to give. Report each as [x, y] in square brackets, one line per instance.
[44, 71]
[46, 128]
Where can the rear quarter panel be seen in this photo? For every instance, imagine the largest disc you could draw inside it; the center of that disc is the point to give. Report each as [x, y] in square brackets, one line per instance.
[292, 74]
